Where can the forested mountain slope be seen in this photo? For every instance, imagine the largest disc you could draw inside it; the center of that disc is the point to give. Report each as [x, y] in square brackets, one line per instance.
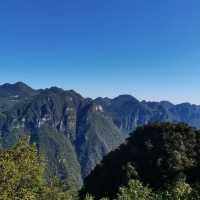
[74, 133]
[156, 155]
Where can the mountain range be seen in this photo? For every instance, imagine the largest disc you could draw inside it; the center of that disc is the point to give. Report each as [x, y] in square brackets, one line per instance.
[73, 133]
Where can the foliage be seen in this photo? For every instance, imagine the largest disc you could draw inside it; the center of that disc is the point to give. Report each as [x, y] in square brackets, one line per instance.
[89, 197]
[55, 190]
[154, 154]
[135, 191]
[22, 176]
[177, 190]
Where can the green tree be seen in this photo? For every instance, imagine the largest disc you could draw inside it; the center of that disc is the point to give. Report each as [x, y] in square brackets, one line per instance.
[55, 190]
[177, 190]
[135, 191]
[21, 174]
[90, 197]
[153, 154]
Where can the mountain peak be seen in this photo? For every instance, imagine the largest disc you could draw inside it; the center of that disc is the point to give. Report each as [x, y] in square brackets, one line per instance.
[16, 89]
[125, 98]
[21, 84]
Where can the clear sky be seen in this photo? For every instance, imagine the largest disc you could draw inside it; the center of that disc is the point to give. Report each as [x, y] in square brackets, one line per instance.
[147, 48]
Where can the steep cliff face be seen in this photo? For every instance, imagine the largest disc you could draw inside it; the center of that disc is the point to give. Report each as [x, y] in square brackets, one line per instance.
[74, 133]
[128, 113]
[70, 132]
[96, 136]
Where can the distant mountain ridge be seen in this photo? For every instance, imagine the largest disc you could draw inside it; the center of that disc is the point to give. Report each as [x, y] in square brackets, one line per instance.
[74, 133]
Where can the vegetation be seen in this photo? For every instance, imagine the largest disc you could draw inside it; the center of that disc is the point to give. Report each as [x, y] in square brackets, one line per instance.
[74, 133]
[179, 190]
[154, 154]
[158, 162]
[22, 176]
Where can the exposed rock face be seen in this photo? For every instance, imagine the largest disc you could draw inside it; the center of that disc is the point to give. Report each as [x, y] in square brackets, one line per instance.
[74, 133]
[71, 132]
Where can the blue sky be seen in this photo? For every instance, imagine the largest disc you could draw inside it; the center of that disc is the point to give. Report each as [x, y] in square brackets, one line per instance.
[150, 49]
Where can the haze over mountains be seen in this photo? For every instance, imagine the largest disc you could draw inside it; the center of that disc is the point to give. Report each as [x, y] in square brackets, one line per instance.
[74, 133]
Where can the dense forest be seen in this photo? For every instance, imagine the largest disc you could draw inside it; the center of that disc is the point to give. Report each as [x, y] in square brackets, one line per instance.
[157, 162]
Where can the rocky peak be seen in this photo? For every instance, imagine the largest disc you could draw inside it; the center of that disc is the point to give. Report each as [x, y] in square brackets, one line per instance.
[19, 89]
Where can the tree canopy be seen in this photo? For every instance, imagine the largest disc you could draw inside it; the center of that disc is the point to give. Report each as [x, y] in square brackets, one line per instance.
[158, 162]
[155, 154]
[22, 176]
